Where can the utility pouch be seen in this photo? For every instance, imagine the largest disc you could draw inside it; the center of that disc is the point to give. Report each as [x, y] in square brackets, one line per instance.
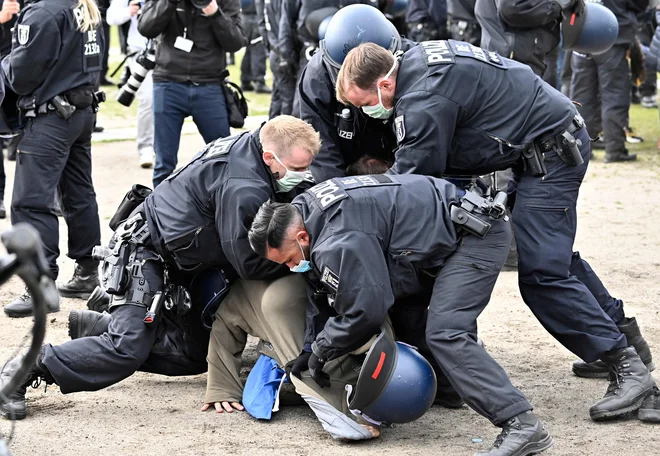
[568, 149]
[469, 222]
[534, 162]
[132, 200]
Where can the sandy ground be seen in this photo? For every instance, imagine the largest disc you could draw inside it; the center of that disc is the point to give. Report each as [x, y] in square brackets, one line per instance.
[154, 415]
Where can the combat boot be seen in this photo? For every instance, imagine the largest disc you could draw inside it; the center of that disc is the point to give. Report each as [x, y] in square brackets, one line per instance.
[86, 323]
[630, 383]
[16, 408]
[99, 300]
[650, 409]
[85, 279]
[24, 307]
[599, 369]
[522, 435]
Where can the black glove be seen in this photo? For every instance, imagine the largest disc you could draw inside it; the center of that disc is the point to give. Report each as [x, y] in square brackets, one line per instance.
[296, 366]
[578, 7]
[316, 371]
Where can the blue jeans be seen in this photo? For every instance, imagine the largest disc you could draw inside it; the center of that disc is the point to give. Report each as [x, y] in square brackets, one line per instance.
[172, 103]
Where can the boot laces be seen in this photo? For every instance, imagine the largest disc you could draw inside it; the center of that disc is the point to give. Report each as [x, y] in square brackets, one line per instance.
[617, 376]
[506, 430]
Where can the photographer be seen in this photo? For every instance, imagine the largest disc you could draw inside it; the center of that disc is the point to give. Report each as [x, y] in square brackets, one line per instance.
[120, 12]
[194, 36]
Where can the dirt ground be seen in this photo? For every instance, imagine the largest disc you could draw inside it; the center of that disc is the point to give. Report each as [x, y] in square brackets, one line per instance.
[155, 415]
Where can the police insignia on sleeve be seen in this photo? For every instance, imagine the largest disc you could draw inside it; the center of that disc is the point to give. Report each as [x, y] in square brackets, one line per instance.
[400, 128]
[330, 279]
[23, 32]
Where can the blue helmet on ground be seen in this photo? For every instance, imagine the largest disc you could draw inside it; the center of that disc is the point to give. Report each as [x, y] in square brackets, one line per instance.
[354, 25]
[207, 290]
[396, 384]
[592, 32]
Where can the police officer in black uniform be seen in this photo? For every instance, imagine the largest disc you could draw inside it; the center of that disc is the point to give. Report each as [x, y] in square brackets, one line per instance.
[427, 20]
[53, 66]
[345, 232]
[197, 218]
[451, 104]
[463, 24]
[253, 64]
[346, 132]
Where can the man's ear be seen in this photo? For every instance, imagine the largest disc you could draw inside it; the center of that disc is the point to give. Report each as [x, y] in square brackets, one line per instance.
[268, 157]
[303, 236]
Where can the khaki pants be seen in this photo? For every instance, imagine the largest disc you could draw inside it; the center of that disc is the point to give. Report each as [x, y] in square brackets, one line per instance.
[274, 311]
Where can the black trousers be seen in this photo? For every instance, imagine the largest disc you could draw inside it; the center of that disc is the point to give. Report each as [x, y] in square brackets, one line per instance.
[55, 155]
[253, 65]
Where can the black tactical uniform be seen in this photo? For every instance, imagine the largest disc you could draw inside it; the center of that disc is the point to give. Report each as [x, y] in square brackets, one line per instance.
[197, 218]
[601, 83]
[463, 24]
[427, 19]
[253, 64]
[525, 30]
[343, 140]
[450, 118]
[367, 256]
[284, 84]
[53, 67]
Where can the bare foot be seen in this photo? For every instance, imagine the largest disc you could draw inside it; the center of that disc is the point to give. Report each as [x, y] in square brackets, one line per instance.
[375, 432]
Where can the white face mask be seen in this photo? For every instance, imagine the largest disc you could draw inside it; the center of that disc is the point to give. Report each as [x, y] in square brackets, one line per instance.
[290, 180]
[379, 111]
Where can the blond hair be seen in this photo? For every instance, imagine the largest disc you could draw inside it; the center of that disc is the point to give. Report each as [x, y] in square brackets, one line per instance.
[363, 66]
[282, 133]
[90, 17]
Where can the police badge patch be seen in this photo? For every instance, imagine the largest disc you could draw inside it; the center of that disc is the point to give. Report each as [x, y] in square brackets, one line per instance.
[23, 32]
[400, 128]
[330, 279]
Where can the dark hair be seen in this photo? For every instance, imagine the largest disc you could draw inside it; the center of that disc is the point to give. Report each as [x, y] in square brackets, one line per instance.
[368, 165]
[270, 226]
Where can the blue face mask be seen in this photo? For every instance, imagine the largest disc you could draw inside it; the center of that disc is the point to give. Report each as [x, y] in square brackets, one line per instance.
[304, 265]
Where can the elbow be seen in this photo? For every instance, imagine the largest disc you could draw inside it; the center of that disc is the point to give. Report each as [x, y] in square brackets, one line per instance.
[236, 44]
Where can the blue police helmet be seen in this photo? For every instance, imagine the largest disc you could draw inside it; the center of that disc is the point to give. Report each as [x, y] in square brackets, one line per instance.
[396, 384]
[323, 27]
[593, 32]
[245, 4]
[207, 289]
[354, 25]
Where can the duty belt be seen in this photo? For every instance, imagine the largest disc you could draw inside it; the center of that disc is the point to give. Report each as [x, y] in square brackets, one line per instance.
[564, 144]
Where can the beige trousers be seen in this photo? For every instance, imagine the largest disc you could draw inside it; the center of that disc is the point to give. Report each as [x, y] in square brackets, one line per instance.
[274, 311]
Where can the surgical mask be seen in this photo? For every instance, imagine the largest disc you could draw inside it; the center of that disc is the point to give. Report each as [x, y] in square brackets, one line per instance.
[290, 180]
[380, 111]
[304, 265]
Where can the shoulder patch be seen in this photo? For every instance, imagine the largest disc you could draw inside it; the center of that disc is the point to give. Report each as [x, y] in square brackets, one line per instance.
[400, 128]
[437, 52]
[23, 34]
[330, 279]
[462, 49]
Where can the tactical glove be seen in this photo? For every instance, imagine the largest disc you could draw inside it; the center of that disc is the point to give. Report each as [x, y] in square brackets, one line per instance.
[296, 366]
[316, 371]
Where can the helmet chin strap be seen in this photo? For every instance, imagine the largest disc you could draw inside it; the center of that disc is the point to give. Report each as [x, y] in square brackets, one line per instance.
[357, 413]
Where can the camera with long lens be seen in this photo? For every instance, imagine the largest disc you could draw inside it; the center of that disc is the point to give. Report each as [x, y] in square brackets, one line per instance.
[144, 62]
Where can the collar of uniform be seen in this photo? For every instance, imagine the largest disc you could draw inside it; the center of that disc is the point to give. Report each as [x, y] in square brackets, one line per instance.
[259, 150]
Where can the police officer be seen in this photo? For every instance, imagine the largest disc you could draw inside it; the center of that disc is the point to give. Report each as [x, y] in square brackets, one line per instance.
[463, 24]
[196, 219]
[55, 79]
[367, 255]
[605, 104]
[281, 99]
[427, 20]
[450, 102]
[253, 64]
[346, 133]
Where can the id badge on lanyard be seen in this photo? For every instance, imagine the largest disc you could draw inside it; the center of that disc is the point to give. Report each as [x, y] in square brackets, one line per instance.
[182, 43]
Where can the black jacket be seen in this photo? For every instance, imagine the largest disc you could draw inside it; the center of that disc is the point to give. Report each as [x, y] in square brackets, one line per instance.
[212, 36]
[49, 54]
[461, 10]
[462, 110]
[268, 14]
[319, 107]
[201, 214]
[366, 255]
[522, 30]
[626, 12]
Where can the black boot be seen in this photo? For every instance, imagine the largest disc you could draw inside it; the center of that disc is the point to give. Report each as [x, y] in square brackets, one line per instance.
[261, 87]
[630, 383]
[650, 409]
[23, 306]
[99, 300]
[623, 156]
[3, 211]
[85, 279]
[86, 323]
[16, 408]
[599, 369]
[522, 435]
